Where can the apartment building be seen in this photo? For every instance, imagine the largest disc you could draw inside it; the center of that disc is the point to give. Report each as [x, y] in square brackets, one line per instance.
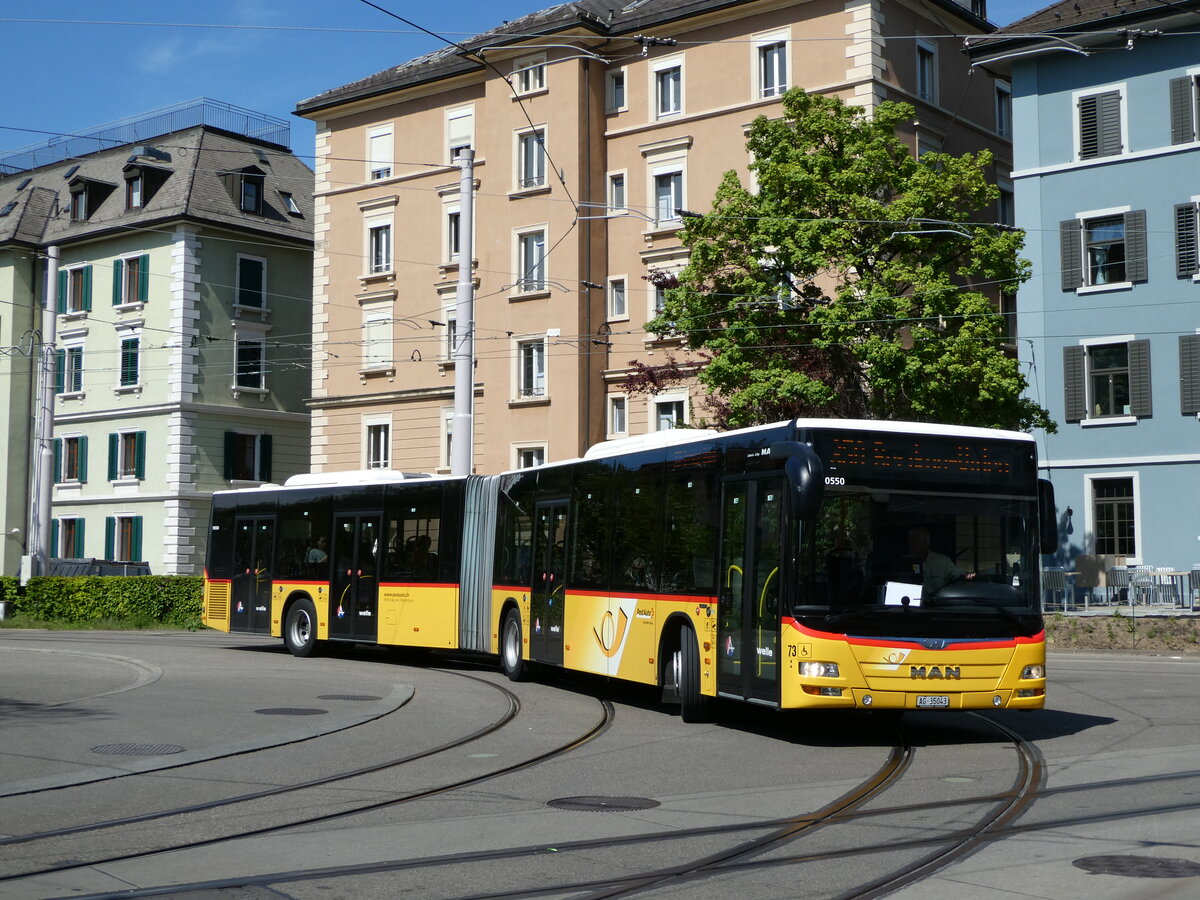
[593, 127]
[183, 322]
[1106, 112]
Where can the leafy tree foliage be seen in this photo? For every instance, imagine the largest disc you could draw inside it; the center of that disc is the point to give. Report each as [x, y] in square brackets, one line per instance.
[853, 282]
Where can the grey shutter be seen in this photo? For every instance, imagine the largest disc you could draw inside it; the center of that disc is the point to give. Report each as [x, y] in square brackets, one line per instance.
[1182, 125]
[1089, 128]
[1074, 385]
[1139, 379]
[1186, 263]
[1070, 254]
[1189, 374]
[1110, 123]
[1135, 245]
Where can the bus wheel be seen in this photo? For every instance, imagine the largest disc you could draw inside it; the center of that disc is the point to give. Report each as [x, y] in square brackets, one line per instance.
[694, 706]
[510, 647]
[300, 629]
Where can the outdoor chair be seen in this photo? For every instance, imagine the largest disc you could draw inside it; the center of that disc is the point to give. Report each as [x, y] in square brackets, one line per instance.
[1118, 584]
[1054, 581]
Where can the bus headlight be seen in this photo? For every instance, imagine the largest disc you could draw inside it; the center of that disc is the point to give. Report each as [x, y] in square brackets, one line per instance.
[819, 670]
[1033, 672]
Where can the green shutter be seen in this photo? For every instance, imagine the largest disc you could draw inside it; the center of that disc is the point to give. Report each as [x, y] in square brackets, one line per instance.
[87, 288]
[230, 453]
[57, 443]
[61, 300]
[139, 455]
[135, 541]
[114, 450]
[144, 278]
[118, 269]
[110, 533]
[54, 538]
[77, 550]
[83, 460]
[264, 457]
[60, 371]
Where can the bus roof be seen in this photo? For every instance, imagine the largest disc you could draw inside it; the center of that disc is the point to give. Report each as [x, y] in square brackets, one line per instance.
[913, 428]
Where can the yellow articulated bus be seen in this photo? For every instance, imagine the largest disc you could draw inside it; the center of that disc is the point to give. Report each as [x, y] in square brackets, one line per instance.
[809, 564]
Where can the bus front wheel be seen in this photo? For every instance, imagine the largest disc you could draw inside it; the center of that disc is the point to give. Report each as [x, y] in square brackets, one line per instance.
[510, 647]
[300, 629]
[693, 705]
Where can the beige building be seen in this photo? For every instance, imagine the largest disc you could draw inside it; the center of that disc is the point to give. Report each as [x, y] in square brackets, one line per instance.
[592, 127]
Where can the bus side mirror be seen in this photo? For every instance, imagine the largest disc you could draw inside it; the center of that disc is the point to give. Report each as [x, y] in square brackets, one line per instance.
[805, 475]
[1047, 517]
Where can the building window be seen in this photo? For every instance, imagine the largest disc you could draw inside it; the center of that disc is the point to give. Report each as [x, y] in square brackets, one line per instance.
[75, 290]
[1003, 109]
[669, 413]
[532, 159]
[660, 299]
[453, 218]
[251, 282]
[618, 420]
[451, 334]
[252, 194]
[668, 197]
[379, 152]
[289, 203]
[379, 445]
[668, 87]
[1100, 125]
[127, 456]
[67, 538]
[70, 463]
[616, 192]
[614, 93]
[123, 538]
[927, 71]
[617, 306]
[133, 191]
[460, 130]
[251, 359]
[379, 247]
[131, 280]
[528, 457]
[131, 349]
[531, 368]
[1103, 250]
[772, 69]
[447, 435]
[1107, 380]
[247, 456]
[531, 75]
[69, 371]
[1113, 513]
[79, 205]
[532, 261]
[1006, 207]
[377, 339]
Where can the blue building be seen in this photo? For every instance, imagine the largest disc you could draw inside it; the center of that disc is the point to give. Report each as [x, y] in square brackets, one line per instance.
[1106, 177]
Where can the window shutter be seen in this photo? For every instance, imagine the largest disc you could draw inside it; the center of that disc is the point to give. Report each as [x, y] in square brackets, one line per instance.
[144, 278]
[54, 538]
[1182, 126]
[264, 457]
[60, 371]
[83, 463]
[1136, 268]
[1189, 373]
[1070, 254]
[230, 453]
[114, 449]
[1139, 379]
[87, 288]
[1088, 128]
[135, 539]
[139, 455]
[57, 443]
[77, 550]
[1074, 384]
[118, 278]
[1186, 263]
[61, 303]
[1109, 106]
[110, 534]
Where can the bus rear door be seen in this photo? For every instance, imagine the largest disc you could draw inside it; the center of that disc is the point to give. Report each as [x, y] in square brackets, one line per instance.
[548, 593]
[748, 609]
[354, 581]
[250, 590]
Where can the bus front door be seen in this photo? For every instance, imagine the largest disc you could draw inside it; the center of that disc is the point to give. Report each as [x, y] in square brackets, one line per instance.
[250, 591]
[354, 580]
[548, 593]
[749, 593]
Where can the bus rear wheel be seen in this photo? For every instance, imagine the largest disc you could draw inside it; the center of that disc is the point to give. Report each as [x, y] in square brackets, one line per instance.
[510, 647]
[685, 668]
[300, 629]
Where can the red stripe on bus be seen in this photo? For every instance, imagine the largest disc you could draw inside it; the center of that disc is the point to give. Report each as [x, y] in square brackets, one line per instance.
[417, 584]
[1038, 638]
[657, 598]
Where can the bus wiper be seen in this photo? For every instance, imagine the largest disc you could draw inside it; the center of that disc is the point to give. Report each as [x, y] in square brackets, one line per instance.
[864, 611]
[1003, 610]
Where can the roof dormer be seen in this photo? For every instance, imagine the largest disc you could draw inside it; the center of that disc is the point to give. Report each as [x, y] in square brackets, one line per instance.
[86, 196]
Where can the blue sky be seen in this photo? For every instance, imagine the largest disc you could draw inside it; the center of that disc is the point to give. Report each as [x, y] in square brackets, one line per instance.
[68, 72]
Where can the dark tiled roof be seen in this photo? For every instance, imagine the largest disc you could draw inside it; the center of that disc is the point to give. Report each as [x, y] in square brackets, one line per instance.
[191, 188]
[605, 18]
[1084, 16]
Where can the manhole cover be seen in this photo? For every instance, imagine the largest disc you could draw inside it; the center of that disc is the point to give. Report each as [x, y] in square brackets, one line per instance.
[1138, 866]
[137, 749]
[363, 697]
[603, 804]
[291, 711]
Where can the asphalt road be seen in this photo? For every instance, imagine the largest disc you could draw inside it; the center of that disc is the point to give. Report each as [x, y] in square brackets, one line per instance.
[209, 765]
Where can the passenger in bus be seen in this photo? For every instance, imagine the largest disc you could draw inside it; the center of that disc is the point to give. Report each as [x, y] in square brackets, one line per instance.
[847, 568]
[318, 554]
[936, 570]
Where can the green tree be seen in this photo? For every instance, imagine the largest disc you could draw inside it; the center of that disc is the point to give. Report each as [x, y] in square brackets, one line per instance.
[853, 282]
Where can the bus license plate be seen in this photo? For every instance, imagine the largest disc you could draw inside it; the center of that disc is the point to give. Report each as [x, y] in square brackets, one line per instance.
[932, 701]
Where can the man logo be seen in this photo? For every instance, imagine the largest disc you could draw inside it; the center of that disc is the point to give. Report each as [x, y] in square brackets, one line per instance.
[610, 635]
[952, 673]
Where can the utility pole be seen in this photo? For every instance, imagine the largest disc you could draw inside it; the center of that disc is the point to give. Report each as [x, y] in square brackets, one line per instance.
[462, 441]
[42, 494]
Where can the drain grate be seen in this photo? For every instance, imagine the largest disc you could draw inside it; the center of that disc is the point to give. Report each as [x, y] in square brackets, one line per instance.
[603, 804]
[291, 711]
[1138, 866]
[137, 749]
[359, 697]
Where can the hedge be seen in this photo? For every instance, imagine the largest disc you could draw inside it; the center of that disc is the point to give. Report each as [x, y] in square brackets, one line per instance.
[172, 599]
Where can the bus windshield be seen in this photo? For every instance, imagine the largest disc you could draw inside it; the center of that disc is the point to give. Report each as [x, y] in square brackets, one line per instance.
[911, 564]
